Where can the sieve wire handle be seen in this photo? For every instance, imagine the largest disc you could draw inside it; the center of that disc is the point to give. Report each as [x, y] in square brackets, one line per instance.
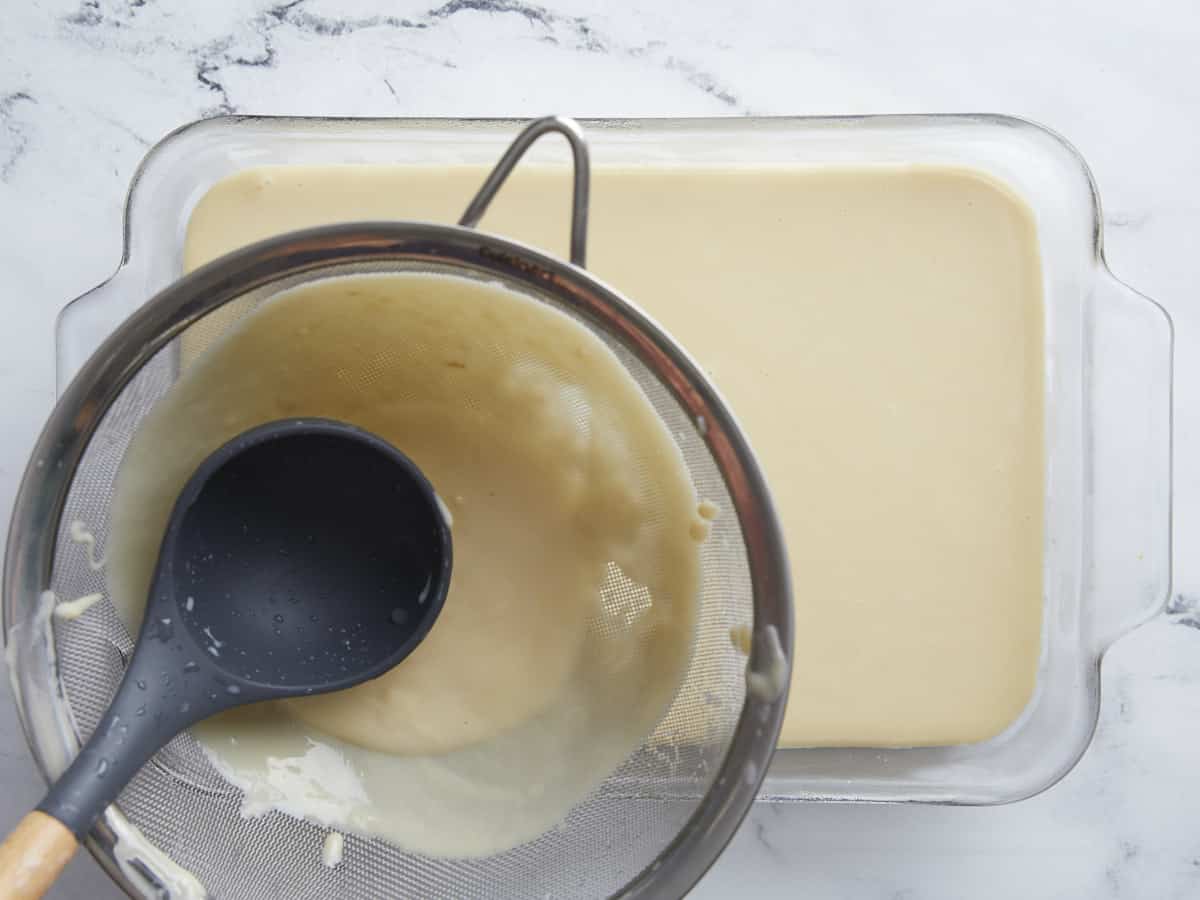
[569, 129]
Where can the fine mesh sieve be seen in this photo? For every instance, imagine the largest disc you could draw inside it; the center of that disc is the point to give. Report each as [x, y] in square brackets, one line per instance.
[651, 828]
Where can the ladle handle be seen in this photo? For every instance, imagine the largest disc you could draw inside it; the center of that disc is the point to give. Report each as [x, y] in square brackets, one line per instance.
[569, 129]
[33, 855]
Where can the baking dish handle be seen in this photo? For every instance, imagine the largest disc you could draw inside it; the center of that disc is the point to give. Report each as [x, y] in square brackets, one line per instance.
[86, 321]
[1128, 341]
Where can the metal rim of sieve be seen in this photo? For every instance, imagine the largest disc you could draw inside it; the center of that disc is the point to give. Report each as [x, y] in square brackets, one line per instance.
[73, 421]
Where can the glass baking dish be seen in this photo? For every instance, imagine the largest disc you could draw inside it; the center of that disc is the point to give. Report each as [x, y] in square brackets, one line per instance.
[1107, 364]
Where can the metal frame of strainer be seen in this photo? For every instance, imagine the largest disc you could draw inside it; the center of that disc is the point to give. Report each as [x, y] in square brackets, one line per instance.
[60, 447]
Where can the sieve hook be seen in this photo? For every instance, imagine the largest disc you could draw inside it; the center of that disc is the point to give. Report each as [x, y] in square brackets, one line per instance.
[569, 129]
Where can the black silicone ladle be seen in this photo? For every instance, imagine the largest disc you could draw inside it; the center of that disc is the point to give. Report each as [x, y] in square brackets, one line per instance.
[302, 557]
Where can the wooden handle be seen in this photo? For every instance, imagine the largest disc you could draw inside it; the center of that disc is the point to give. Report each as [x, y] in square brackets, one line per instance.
[33, 855]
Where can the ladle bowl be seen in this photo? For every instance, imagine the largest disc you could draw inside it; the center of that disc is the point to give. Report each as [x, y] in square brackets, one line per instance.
[303, 556]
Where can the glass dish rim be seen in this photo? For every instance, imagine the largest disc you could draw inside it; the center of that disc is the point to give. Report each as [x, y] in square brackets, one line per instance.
[309, 125]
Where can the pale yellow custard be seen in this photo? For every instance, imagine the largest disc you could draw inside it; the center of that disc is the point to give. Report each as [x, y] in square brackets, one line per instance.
[878, 332]
[539, 676]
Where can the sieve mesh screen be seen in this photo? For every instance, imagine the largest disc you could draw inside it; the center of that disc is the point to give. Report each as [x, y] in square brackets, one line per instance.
[182, 805]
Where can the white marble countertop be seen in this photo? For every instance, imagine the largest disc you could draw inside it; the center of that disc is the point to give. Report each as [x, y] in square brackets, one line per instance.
[86, 87]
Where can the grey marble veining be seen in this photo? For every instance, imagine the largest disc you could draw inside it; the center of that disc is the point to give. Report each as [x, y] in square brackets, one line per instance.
[15, 138]
[252, 40]
[86, 87]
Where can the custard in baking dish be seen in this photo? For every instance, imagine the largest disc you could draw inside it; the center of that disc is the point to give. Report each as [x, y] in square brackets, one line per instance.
[878, 331]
